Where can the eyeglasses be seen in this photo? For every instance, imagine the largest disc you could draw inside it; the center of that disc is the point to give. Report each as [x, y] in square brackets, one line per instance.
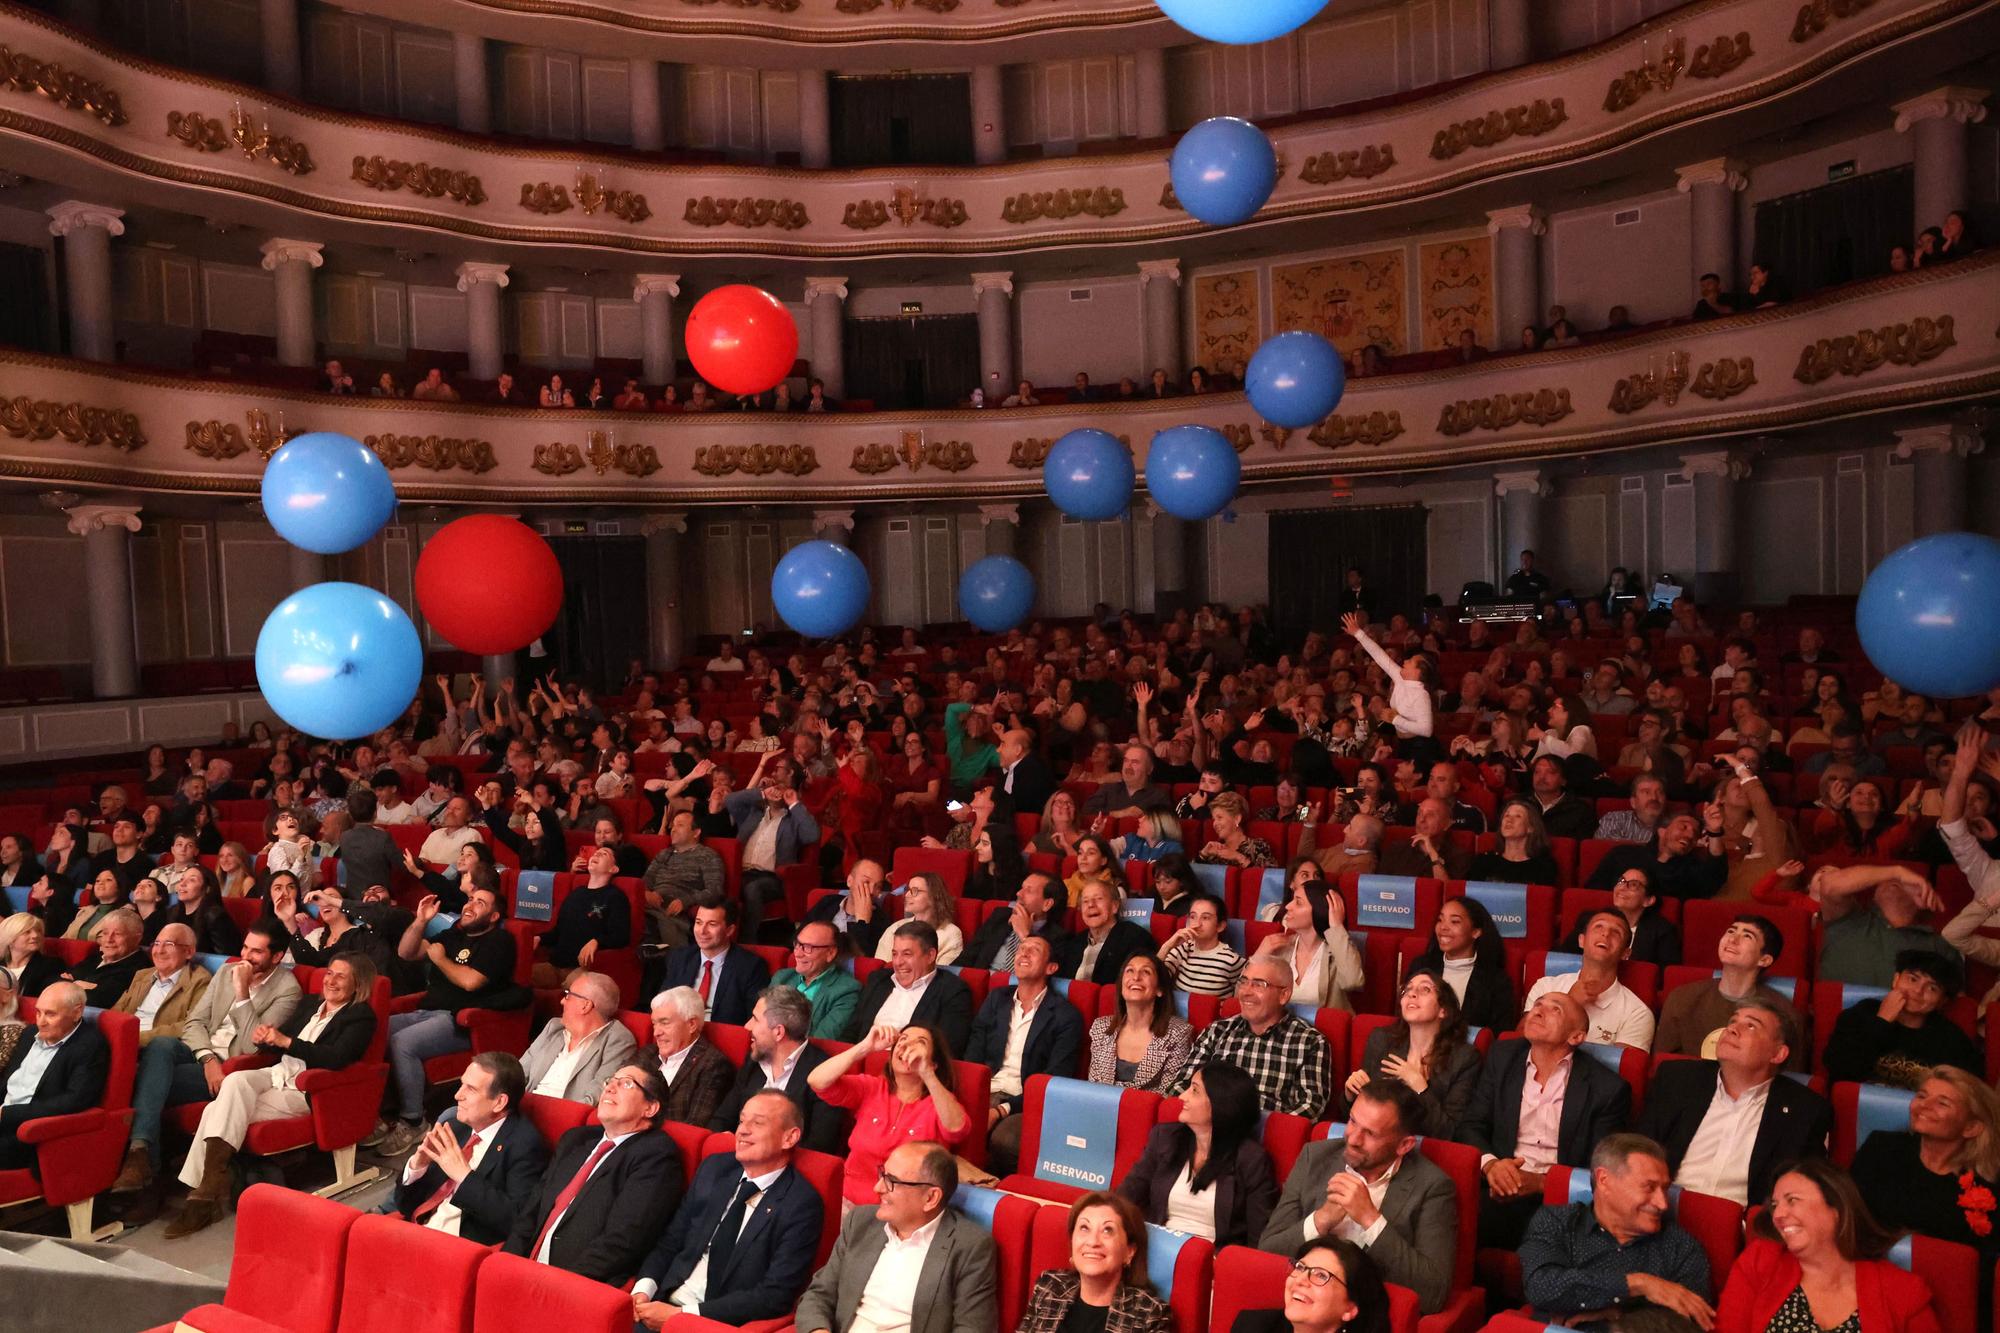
[892, 1182]
[1319, 1277]
[576, 995]
[1257, 984]
[625, 1081]
[1632, 882]
[816, 948]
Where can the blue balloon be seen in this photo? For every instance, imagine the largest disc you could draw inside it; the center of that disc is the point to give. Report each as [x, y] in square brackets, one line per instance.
[1223, 170]
[820, 589]
[338, 661]
[1926, 615]
[1088, 474]
[1295, 379]
[327, 493]
[1240, 22]
[996, 593]
[1192, 471]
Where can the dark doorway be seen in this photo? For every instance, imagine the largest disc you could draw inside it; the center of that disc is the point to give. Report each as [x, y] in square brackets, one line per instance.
[25, 319]
[1311, 549]
[603, 622]
[1836, 233]
[887, 120]
[911, 362]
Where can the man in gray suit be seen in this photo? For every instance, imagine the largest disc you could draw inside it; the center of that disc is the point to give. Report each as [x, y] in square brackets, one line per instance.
[913, 1262]
[583, 1045]
[1377, 1191]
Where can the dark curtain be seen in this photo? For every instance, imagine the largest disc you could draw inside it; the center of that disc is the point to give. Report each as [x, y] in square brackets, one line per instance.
[912, 362]
[1837, 233]
[24, 318]
[901, 119]
[1311, 549]
[603, 622]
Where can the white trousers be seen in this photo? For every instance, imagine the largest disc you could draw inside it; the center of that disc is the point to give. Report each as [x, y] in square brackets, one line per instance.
[245, 1097]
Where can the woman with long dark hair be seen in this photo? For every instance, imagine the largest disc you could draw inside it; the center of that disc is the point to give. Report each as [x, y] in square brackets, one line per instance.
[1207, 1174]
[1468, 952]
[1427, 1049]
[1142, 1043]
[997, 865]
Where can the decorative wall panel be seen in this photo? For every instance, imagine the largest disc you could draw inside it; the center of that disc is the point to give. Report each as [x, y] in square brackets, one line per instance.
[1225, 318]
[1455, 291]
[1351, 301]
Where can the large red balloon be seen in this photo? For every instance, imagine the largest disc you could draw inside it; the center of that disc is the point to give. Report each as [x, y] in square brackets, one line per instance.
[488, 584]
[742, 339]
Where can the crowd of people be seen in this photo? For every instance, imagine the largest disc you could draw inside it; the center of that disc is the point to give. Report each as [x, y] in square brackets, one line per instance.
[1082, 768]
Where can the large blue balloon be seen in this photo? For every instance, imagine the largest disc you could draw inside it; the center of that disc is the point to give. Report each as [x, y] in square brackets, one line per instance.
[1295, 379]
[1240, 22]
[1088, 474]
[1192, 471]
[820, 589]
[996, 593]
[338, 660]
[327, 493]
[1926, 615]
[1223, 170]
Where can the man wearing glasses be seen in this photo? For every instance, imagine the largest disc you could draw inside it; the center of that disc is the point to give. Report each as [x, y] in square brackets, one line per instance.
[832, 991]
[582, 1044]
[913, 1242]
[1283, 1054]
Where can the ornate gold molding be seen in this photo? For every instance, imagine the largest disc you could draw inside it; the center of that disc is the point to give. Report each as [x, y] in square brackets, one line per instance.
[1526, 121]
[625, 205]
[1719, 57]
[1909, 344]
[634, 460]
[1059, 205]
[1815, 15]
[433, 453]
[420, 178]
[557, 460]
[214, 439]
[755, 460]
[1371, 428]
[1651, 74]
[1357, 164]
[865, 215]
[1168, 199]
[1656, 383]
[27, 418]
[908, 208]
[1275, 436]
[545, 197]
[1239, 435]
[1029, 453]
[708, 211]
[194, 130]
[1724, 378]
[66, 88]
[1541, 407]
[256, 140]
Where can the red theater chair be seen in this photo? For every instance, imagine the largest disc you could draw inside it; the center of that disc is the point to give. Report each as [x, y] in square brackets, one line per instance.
[1010, 1220]
[402, 1277]
[1180, 1267]
[1060, 1160]
[78, 1156]
[515, 1295]
[553, 1117]
[290, 1258]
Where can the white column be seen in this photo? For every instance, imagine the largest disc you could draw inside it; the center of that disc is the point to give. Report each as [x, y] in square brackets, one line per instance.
[469, 83]
[1944, 474]
[291, 265]
[666, 637]
[834, 525]
[1521, 495]
[989, 116]
[815, 120]
[1718, 477]
[107, 570]
[1160, 299]
[1939, 119]
[486, 341]
[86, 231]
[1517, 272]
[994, 294]
[1170, 539]
[1002, 524]
[655, 293]
[826, 299]
[1509, 34]
[649, 130]
[283, 71]
[1711, 188]
[306, 567]
[1149, 74]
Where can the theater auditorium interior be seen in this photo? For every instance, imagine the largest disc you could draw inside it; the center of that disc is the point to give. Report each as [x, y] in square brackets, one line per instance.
[999, 666]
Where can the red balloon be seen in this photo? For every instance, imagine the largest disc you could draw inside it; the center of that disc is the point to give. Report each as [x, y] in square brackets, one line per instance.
[742, 339]
[488, 584]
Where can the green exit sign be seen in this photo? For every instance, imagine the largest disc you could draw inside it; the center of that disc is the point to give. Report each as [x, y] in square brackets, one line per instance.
[1840, 171]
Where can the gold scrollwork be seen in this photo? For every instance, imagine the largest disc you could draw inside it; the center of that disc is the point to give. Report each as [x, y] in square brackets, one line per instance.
[419, 178]
[1815, 15]
[214, 439]
[1719, 57]
[1634, 84]
[1528, 120]
[1370, 428]
[634, 460]
[1240, 436]
[872, 460]
[1168, 199]
[1909, 344]
[66, 88]
[707, 211]
[197, 131]
[1058, 205]
[255, 140]
[1658, 382]
[1275, 436]
[625, 205]
[1724, 378]
[558, 460]
[432, 452]
[39, 419]
[1358, 164]
[1029, 453]
[1542, 407]
[865, 215]
[545, 198]
[755, 460]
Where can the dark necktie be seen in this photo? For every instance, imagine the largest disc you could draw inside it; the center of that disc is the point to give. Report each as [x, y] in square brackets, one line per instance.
[727, 1230]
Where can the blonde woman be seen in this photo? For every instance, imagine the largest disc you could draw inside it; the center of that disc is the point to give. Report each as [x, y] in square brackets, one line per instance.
[1159, 835]
[1230, 845]
[21, 956]
[232, 870]
[1059, 830]
[11, 1026]
[927, 898]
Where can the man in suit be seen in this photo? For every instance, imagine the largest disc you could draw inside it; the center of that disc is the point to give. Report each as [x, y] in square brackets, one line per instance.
[857, 913]
[1039, 906]
[476, 1173]
[1022, 1030]
[60, 1072]
[1378, 1191]
[725, 975]
[582, 1044]
[178, 1067]
[1430, 853]
[1728, 1123]
[815, 973]
[781, 1060]
[912, 1263]
[741, 1245]
[912, 990]
[773, 829]
[697, 1076]
[162, 996]
[106, 975]
[610, 1187]
[1023, 774]
[1524, 1125]
[1564, 814]
[369, 854]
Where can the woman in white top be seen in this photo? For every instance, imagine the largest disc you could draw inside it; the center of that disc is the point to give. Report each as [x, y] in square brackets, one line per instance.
[1207, 1174]
[1568, 731]
[1410, 681]
[1314, 943]
[927, 898]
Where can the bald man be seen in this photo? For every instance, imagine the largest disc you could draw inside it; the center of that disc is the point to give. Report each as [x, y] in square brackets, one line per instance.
[60, 1072]
[1023, 775]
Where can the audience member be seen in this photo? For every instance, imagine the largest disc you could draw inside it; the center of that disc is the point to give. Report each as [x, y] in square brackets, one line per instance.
[1898, 1038]
[1142, 1043]
[815, 973]
[927, 899]
[724, 974]
[1865, 945]
[1196, 956]
[1022, 1030]
[1313, 946]
[1616, 1014]
[1284, 1055]
[911, 989]
[782, 1060]
[118, 958]
[1653, 938]
[1211, 1150]
[1106, 1279]
[1941, 1177]
[1694, 1014]
[773, 829]
[1468, 952]
[583, 1044]
[60, 1071]
[1427, 1050]
[479, 1170]
[696, 1075]
[1098, 952]
[912, 1100]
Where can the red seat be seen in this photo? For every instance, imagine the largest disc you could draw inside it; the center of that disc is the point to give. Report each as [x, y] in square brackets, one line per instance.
[1465, 1308]
[77, 1156]
[290, 1258]
[1247, 1279]
[1703, 920]
[691, 1140]
[1131, 1122]
[401, 1277]
[1009, 1219]
[553, 1117]
[516, 1295]
[1952, 1271]
[1181, 1276]
[952, 866]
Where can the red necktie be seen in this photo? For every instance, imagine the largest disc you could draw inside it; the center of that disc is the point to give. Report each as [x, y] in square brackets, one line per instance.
[707, 981]
[570, 1191]
[436, 1201]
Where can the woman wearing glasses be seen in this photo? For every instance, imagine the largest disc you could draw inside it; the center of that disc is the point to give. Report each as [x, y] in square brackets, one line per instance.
[1333, 1288]
[1426, 1048]
[1654, 938]
[1104, 1290]
[911, 1101]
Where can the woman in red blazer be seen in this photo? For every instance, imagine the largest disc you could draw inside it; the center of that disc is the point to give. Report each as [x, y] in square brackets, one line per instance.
[1815, 1265]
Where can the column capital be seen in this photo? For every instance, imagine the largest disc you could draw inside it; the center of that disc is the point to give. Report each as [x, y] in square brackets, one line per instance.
[86, 519]
[1962, 439]
[994, 282]
[991, 514]
[1167, 269]
[1967, 106]
[471, 273]
[1720, 463]
[1723, 171]
[826, 286]
[646, 284]
[652, 525]
[1526, 217]
[71, 214]
[1529, 483]
[278, 251]
[833, 518]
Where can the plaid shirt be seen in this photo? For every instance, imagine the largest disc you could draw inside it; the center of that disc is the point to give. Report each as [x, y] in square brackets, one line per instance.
[1289, 1063]
[1570, 1264]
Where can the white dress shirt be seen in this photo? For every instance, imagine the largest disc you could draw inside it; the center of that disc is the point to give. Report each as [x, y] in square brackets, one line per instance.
[1617, 1016]
[285, 1073]
[28, 1074]
[1007, 1078]
[889, 1300]
[779, 1077]
[556, 1081]
[1718, 1157]
[446, 1216]
[1188, 1211]
[901, 1004]
[670, 1068]
[690, 1294]
[761, 851]
[149, 1008]
[1346, 1228]
[223, 1035]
